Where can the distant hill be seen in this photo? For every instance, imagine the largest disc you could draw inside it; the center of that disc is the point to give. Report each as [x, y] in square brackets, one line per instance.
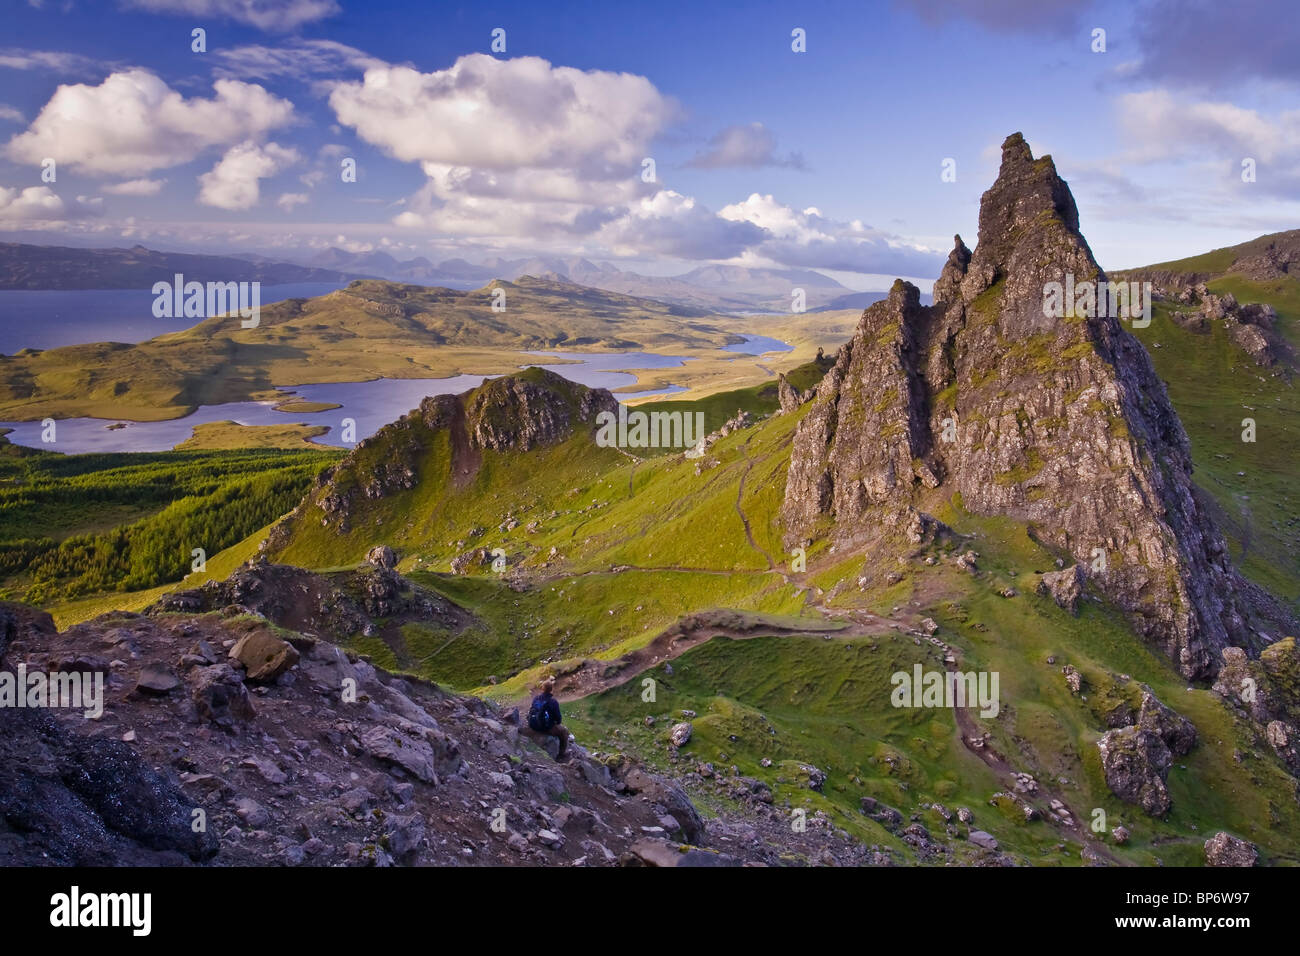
[370, 329]
[1267, 258]
[25, 266]
[713, 288]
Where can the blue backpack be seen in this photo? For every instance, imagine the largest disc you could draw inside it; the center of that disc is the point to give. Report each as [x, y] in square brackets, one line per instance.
[539, 716]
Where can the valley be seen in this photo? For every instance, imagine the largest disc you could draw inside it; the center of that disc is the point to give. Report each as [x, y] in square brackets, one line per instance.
[731, 619]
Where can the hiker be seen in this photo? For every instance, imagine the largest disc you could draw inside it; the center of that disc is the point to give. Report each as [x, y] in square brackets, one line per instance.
[544, 717]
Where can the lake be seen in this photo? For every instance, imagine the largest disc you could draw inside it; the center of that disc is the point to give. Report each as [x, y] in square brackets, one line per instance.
[44, 319]
[370, 404]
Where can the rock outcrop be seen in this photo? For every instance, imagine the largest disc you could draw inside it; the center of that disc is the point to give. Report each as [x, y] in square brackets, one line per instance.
[1060, 423]
[520, 412]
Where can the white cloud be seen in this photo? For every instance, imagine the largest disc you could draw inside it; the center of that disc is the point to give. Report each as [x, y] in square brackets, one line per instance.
[41, 204]
[510, 147]
[10, 114]
[1211, 139]
[506, 115]
[807, 239]
[271, 15]
[744, 146]
[1160, 127]
[298, 59]
[136, 187]
[288, 200]
[670, 224]
[57, 61]
[234, 182]
[133, 123]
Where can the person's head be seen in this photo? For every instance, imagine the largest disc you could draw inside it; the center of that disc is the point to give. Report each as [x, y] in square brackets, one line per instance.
[548, 686]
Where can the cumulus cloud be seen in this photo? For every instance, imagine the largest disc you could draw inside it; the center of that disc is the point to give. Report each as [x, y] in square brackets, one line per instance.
[41, 204]
[136, 187]
[807, 239]
[11, 114]
[134, 123]
[510, 147]
[671, 224]
[507, 114]
[234, 182]
[752, 145]
[269, 15]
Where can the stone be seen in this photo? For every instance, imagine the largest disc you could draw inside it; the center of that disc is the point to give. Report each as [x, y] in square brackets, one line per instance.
[983, 839]
[680, 735]
[219, 695]
[1136, 763]
[382, 556]
[1064, 587]
[264, 656]
[1223, 849]
[156, 680]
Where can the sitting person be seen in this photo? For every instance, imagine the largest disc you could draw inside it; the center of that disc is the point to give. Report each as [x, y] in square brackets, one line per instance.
[544, 717]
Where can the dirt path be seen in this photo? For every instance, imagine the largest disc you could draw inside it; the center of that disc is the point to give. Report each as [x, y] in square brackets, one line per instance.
[970, 731]
[596, 676]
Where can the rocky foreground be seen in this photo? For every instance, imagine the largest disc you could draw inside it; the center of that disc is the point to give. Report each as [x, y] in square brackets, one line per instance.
[225, 740]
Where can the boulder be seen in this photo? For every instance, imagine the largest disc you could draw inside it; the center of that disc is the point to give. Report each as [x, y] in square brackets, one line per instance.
[382, 556]
[680, 735]
[219, 695]
[1064, 587]
[1136, 763]
[1225, 850]
[264, 656]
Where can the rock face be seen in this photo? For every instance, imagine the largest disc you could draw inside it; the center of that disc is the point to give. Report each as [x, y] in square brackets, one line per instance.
[1060, 423]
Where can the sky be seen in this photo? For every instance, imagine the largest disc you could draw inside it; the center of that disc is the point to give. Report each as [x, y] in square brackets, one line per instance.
[852, 138]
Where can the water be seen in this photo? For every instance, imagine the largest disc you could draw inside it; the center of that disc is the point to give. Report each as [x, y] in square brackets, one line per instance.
[44, 319]
[758, 345]
[370, 404]
[602, 370]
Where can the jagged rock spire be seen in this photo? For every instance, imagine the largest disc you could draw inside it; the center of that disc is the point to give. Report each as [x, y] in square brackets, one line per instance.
[1059, 423]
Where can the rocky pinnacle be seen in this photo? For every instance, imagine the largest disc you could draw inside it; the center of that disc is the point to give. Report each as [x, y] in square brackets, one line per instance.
[1060, 423]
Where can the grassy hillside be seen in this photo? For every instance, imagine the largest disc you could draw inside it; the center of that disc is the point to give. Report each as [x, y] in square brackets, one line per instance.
[73, 525]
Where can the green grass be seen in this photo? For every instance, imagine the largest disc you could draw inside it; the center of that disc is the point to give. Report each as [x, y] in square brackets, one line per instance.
[1215, 386]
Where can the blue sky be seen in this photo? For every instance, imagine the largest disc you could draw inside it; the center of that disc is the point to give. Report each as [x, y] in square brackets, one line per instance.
[829, 158]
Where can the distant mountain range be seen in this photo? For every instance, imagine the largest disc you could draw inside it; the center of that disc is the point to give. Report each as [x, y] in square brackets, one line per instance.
[715, 288]
[710, 288]
[25, 266]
